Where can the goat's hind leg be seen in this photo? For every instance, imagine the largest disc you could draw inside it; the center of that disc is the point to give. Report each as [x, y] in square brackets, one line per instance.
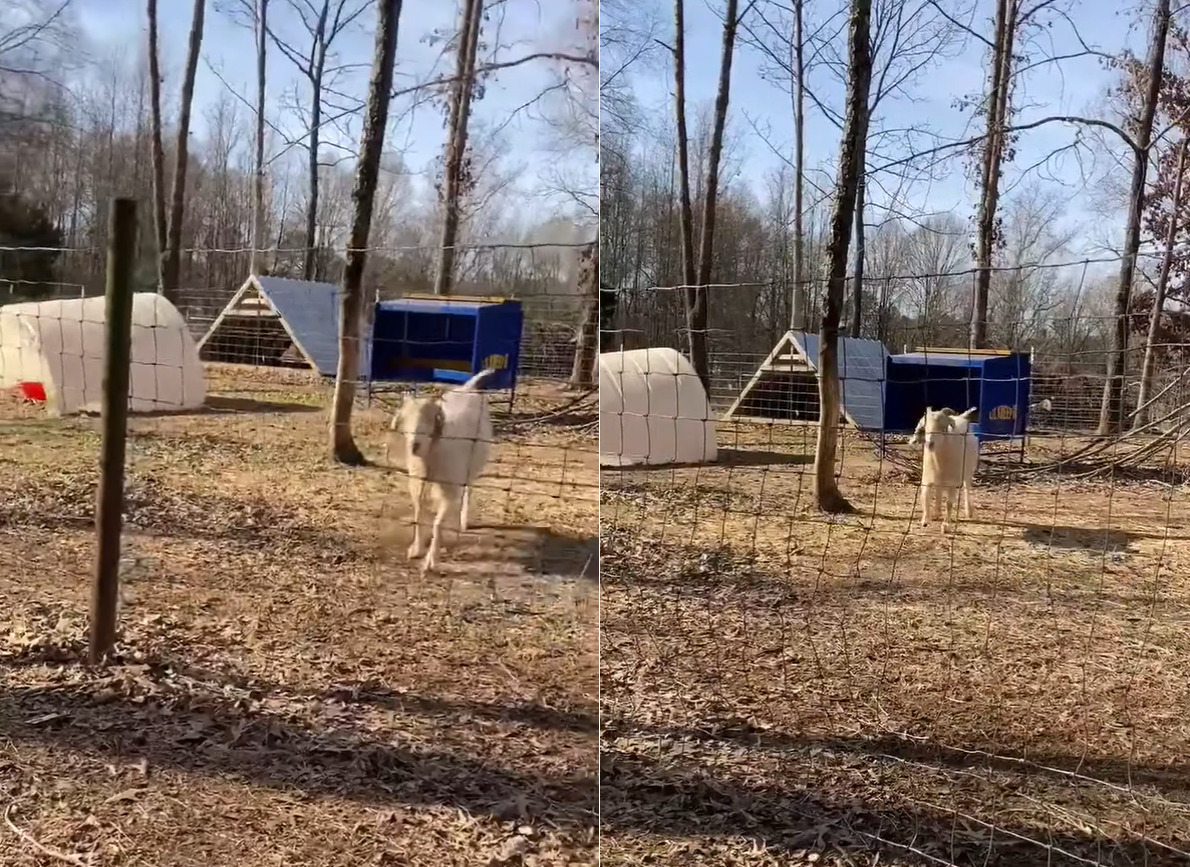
[967, 502]
[465, 510]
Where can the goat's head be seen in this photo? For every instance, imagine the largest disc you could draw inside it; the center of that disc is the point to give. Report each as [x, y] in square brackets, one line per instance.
[919, 432]
[934, 424]
[420, 421]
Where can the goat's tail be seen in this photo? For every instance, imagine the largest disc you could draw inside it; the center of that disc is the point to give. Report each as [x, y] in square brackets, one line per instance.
[474, 383]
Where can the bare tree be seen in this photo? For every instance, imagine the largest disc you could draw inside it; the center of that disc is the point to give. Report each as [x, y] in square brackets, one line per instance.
[169, 231]
[455, 166]
[830, 499]
[905, 40]
[1026, 290]
[857, 280]
[1161, 290]
[1111, 412]
[797, 313]
[323, 21]
[258, 214]
[696, 315]
[582, 374]
[160, 225]
[685, 213]
[997, 110]
[367, 173]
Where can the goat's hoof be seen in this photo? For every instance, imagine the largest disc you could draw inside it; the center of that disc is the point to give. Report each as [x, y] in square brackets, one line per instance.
[414, 552]
[428, 565]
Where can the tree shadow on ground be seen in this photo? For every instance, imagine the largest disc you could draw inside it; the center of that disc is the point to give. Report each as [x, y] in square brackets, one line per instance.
[228, 679]
[848, 817]
[1172, 780]
[547, 553]
[1092, 540]
[501, 548]
[226, 405]
[218, 737]
[726, 457]
[709, 574]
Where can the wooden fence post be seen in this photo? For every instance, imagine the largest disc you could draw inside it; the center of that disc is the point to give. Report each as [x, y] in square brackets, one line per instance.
[109, 506]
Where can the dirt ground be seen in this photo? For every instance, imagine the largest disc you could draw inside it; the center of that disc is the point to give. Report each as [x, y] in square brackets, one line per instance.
[781, 688]
[289, 690]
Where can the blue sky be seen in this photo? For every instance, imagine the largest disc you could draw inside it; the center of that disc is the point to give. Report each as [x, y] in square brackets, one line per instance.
[1079, 89]
[228, 48]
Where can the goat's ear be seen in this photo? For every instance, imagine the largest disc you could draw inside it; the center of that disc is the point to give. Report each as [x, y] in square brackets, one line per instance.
[970, 414]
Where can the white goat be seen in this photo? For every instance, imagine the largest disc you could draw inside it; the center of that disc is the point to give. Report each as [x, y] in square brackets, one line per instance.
[948, 462]
[448, 440]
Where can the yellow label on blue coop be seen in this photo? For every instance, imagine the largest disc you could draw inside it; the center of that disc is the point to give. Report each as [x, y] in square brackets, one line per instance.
[1003, 412]
[496, 362]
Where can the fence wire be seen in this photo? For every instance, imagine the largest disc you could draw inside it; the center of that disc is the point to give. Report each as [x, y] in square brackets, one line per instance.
[782, 685]
[275, 617]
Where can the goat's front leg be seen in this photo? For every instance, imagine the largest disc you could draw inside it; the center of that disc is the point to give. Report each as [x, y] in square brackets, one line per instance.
[927, 503]
[465, 509]
[447, 503]
[416, 489]
[967, 502]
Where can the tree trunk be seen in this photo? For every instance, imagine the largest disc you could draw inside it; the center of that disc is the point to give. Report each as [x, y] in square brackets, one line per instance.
[177, 201]
[859, 80]
[456, 146]
[318, 57]
[1146, 370]
[857, 310]
[262, 8]
[686, 215]
[706, 243]
[797, 313]
[1111, 412]
[363, 195]
[582, 374]
[157, 146]
[310, 257]
[1000, 76]
[609, 304]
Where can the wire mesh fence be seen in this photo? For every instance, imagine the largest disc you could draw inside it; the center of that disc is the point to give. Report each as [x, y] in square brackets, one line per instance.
[280, 594]
[1066, 329]
[784, 685]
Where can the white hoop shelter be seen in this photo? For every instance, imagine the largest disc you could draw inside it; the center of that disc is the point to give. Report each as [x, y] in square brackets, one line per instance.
[61, 344]
[653, 410]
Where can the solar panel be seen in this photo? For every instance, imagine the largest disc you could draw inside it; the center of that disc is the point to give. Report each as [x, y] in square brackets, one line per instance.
[861, 376]
[311, 310]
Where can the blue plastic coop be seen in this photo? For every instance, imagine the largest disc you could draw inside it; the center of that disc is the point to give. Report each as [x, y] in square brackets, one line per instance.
[996, 382]
[446, 339]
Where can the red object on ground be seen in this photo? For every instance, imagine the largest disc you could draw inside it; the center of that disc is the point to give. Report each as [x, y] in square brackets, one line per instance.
[33, 391]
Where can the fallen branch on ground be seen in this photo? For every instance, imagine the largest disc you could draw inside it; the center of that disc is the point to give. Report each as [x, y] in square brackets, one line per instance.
[57, 855]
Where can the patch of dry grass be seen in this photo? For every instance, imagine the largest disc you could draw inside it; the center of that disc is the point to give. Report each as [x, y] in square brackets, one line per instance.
[288, 689]
[780, 688]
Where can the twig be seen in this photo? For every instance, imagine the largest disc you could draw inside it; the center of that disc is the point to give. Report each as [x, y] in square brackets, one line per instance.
[41, 847]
